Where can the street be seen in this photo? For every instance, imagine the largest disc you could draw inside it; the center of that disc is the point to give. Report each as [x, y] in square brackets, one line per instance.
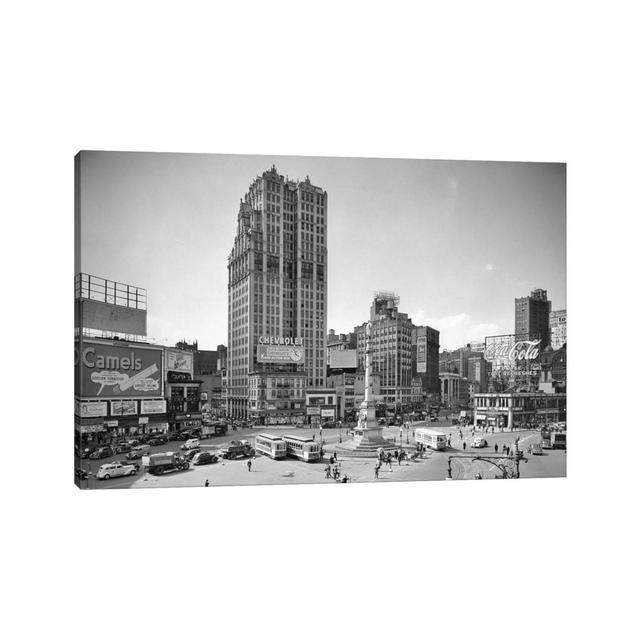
[265, 471]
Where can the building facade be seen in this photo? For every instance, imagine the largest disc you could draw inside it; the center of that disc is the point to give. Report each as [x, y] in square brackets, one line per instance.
[425, 360]
[391, 348]
[277, 291]
[478, 372]
[349, 387]
[513, 410]
[532, 316]
[119, 376]
[558, 328]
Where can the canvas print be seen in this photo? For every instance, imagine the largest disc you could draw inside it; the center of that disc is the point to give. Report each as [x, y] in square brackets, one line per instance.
[261, 320]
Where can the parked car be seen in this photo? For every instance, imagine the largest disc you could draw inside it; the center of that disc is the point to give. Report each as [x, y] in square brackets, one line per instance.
[192, 443]
[479, 443]
[122, 447]
[204, 457]
[189, 455]
[114, 469]
[156, 440]
[133, 464]
[536, 449]
[85, 452]
[172, 436]
[137, 452]
[102, 452]
[134, 442]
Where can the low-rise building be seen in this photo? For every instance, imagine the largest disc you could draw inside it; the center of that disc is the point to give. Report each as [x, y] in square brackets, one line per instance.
[321, 406]
[519, 410]
[349, 388]
[277, 397]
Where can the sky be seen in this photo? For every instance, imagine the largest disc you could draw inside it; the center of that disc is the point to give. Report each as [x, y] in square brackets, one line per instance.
[456, 240]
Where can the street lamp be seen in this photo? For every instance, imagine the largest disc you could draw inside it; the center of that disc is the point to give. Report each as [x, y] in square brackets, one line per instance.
[400, 438]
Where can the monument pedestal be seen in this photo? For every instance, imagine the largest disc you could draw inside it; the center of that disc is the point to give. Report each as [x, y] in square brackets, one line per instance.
[367, 436]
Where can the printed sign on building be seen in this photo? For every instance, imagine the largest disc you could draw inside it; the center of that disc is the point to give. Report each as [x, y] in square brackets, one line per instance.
[280, 353]
[512, 356]
[91, 409]
[114, 370]
[124, 407]
[327, 413]
[177, 360]
[153, 406]
[421, 354]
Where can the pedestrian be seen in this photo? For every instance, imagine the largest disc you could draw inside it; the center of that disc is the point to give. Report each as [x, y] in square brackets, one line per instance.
[504, 448]
[400, 459]
[495, 447]
[249, 465]
[206, 482]
[335, 455]
[377, 470]
[449, 442]
[327, 472]
[464, 446]
[395, 454]
[508, 450]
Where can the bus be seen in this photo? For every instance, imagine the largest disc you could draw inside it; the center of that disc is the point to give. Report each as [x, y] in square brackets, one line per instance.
[272, 446]
[304, 448]
[432, 439]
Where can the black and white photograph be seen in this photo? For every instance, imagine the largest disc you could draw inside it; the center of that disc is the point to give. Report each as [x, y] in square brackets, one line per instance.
[322, 258]
[250, 320]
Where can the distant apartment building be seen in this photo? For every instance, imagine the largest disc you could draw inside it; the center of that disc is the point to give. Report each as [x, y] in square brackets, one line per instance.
[391, 333]
[558, 328]
[479, 372]
[425, 360]
[532, 316]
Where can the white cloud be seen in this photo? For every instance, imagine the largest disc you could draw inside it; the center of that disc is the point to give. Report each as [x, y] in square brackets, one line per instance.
[488, 267]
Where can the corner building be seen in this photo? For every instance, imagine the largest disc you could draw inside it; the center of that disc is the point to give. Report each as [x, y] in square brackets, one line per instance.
[391, 333]
[277, 290]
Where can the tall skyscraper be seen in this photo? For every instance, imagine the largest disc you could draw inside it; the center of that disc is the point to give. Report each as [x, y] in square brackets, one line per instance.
[532, 316]
[277, 299]
[558, 328]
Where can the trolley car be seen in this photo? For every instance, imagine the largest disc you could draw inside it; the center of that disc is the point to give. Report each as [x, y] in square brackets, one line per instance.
[272, 446]
[303, 448]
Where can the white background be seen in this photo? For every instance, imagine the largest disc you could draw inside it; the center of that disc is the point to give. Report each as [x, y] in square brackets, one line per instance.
[545, 81]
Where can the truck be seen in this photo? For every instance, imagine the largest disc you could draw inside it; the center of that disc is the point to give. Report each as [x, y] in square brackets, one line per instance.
[159, 463]
[213, 429]
[554, 439]
[236, 449]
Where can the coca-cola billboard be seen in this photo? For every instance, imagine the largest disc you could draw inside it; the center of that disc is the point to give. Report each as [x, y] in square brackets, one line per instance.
[513, 354]
[514, 350]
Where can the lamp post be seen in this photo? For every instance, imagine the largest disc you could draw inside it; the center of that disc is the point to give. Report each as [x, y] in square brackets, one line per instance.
[340, 430]
[400, 438]
[504, 464]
